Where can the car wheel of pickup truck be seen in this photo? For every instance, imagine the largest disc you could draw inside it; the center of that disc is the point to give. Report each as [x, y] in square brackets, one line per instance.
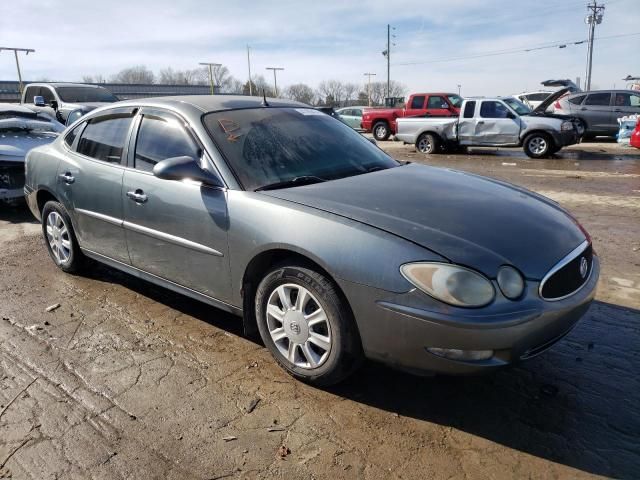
[538, 145]
[381, 131]
[427, 143]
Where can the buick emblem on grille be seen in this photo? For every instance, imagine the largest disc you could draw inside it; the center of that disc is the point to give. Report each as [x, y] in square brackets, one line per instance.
[295, 328]
[584, 266]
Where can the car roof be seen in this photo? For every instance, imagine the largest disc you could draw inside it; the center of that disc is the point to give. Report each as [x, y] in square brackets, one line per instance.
[621, 90]
[210, 103]
[433, 93]
[62, 84]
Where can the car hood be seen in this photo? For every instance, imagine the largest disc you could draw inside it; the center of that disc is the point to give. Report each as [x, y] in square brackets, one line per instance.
[470, 220]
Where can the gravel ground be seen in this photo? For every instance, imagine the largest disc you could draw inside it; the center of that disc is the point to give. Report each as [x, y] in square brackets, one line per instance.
[127, 380]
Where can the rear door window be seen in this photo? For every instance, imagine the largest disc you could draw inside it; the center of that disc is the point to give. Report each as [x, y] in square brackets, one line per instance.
[417, 102]
[71, 136]
[104, 138]
[598, 99]
[160, 138]
[469, 109]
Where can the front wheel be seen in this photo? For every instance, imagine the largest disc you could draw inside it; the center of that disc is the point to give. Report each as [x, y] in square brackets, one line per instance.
[306, 326]
[427, 143]
[58, 233]
[537, 145]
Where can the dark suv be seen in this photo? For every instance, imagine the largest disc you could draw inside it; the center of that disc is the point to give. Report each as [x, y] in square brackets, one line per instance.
[599, 110]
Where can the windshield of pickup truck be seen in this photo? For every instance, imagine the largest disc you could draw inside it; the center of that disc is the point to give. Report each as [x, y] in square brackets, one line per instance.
[276, 146]
[517, 105]
[456, 100]
[85, 94]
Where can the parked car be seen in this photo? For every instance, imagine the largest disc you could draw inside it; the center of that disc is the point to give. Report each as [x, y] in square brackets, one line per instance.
[532, 99]
[352, 116]
[599, 110]
[330, 248]
[60, 99]
[501, 121]
[21, 129]
[382, 121]
[634, 141]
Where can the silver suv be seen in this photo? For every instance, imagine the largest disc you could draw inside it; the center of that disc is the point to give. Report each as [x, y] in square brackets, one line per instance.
[599, 110]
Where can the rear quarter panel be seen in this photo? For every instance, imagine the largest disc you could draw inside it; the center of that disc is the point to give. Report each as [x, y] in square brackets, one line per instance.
[42, 167]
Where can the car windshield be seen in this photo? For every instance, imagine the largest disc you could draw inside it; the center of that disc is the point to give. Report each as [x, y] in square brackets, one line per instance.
[85, 94]
[268, 146]
[517, 105]
[456, 100]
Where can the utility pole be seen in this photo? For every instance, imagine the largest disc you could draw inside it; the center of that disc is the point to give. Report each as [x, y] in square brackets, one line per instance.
[249, 65]
[369, 85]
[275, 79]
[459, 87]
[15, 53]
[594, 17]
[387, 53]
[211, 65]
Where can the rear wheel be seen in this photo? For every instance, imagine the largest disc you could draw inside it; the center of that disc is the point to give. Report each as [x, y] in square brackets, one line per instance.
[306, 326]
[381, 131]
[60, 238]
[538, 145]
[427, 143]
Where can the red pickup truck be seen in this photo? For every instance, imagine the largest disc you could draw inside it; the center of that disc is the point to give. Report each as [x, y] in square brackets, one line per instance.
[382, 121]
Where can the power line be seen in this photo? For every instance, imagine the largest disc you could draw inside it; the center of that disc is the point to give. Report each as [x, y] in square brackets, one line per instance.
[514, 50]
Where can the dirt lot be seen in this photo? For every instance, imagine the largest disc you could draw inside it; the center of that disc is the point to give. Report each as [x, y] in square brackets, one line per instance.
[127, 380]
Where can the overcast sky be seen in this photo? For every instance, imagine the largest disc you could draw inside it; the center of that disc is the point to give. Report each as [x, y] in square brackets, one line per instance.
[320, 40]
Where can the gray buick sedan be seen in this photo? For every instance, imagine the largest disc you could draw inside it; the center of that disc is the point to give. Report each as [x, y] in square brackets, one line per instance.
[319, 240]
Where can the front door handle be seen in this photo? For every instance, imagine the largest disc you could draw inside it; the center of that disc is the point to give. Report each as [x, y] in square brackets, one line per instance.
[137, 196]
[67, 178]
[480, 122]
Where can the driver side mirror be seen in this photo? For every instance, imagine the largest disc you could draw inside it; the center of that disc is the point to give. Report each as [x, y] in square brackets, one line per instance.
[38, 101]
[183, 168]
[54, 105]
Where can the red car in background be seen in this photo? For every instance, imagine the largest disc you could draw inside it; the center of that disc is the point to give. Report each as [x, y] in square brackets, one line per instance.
[634, 141]
[382, 121]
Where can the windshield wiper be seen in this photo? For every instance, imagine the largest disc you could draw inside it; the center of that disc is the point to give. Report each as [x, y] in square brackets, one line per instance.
[293, 182]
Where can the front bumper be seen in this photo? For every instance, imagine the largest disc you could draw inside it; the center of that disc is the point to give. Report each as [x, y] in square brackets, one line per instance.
[398, 329]
[566, 138]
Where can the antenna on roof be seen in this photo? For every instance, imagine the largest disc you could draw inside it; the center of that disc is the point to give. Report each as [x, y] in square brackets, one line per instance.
[264, 99]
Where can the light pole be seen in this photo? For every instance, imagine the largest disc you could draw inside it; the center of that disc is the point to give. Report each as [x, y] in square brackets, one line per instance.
[249, 65]
[15, 52]
[594, 17]
[369, 85]
[211, 65]
[459, 87]
[275, 79]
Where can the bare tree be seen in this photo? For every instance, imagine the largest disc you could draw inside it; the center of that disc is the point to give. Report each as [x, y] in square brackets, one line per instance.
[136, 74]
[99, 78]
[300, 92]
[350, 91]
[258, 85]
[331, 92]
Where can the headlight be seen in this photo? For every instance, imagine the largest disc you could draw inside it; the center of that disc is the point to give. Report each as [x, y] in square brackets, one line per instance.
[510, 282]
[451, 284]
[566, 126]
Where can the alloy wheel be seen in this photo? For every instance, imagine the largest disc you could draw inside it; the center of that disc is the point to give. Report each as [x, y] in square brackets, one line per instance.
[298, 326]
[381, 131]
[58, 237]
[425, 145]
[538, 145]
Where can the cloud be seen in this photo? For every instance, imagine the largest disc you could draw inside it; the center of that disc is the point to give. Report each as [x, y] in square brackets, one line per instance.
[314, 41]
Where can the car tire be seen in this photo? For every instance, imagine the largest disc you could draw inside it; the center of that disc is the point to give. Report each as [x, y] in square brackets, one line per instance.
[381, 131]
[538, 145]
[427, 144]
[315, 341]
[60, 238]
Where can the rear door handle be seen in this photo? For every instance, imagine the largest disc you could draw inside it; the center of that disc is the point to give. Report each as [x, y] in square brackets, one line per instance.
[67, 178]
[480, 121]
[137, 196]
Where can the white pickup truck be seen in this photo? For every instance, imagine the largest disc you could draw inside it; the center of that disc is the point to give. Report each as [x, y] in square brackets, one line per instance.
[494, 122]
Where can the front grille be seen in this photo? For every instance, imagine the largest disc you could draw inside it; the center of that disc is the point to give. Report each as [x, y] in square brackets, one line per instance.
[567, 277]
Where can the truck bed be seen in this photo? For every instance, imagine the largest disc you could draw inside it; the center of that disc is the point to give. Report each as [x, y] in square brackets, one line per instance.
[409, 128]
